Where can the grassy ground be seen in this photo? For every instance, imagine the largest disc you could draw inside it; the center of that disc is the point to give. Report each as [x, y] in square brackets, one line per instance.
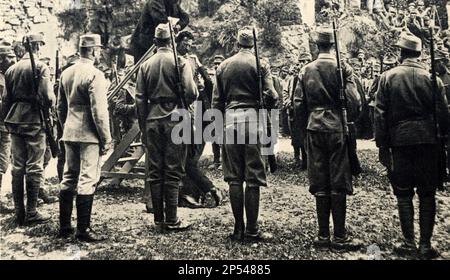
[287, 212]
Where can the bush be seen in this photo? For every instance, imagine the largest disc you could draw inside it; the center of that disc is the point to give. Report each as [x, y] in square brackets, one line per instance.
[272, 14]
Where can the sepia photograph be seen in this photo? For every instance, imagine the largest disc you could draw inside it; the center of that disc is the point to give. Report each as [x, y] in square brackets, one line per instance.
[225, 130]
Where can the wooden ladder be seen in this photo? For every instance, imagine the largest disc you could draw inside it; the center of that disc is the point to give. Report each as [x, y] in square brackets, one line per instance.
[128, 169]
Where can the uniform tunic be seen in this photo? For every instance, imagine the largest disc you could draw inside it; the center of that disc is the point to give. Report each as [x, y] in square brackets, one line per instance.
[237, 88]
[83, 111]
[404, 122]
[317, 96]
[22, 119]
[156, 101]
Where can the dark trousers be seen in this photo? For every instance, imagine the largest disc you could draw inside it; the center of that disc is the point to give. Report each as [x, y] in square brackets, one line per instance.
[166, 168]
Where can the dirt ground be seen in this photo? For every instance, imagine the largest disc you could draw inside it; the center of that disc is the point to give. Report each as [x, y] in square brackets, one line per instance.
[287, 213]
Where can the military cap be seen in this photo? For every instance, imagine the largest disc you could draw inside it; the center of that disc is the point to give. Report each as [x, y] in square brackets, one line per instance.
[441, 54]
[305, 57]
[218, 59]
[6, 51]
[389, 60]
[245, 37]
[71, 59]
[90, 40]
[162, 31]
[324, 36]
[409, 42]
[184, 35]
[412, 4]
[35, 38]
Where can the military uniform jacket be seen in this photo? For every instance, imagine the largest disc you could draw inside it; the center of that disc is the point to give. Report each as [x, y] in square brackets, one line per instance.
[317, 95]
[404, 107]
[156, 96]
[82, 104]
[237, 82]
[20, 105]
[154, 13]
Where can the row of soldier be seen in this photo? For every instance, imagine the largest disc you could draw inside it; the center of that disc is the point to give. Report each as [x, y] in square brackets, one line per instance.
[83, 114]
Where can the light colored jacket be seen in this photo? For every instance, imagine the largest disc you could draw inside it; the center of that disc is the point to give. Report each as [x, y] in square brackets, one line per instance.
[82, 104]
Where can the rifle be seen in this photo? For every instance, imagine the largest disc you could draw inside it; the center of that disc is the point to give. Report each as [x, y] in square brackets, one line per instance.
[44, 109]
[130, 74]
[442, 158]
[258, 70]
[179, 86]
[354, 166]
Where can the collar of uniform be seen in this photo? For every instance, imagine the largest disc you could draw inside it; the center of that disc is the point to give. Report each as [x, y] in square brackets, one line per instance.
[85, 60]
[164, 49]
[413, 62]
[246, 51]
[325, 56]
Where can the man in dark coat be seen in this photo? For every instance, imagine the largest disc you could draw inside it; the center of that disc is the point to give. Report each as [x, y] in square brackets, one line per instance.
[154, 13]
[237, 97]
[406, 110]
[157, 103]
[329, 170]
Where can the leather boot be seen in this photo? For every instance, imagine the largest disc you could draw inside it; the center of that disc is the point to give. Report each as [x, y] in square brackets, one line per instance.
[237, 206]
[323, 208]
[341, 240]
[65, 213]
[4, 209]
[173, 223]
[252, 195]
[33, 216]
[18, 197]
[272, 163]
[46, 198]
[427, 214]
[406, 215]
[216, 195]
[304, 159]
[84, 211]
[158, 203]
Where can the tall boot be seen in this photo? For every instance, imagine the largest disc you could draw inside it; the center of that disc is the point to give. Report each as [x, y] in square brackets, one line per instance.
[297, 155]
[341, 240]
[157, 198]
[252, 195]
[406, 215]
[427, 215]
[304, 159]
[4, 209]
[173, 223]
[323, 209]
[273, 163]
[84, 211]
[33, 216]
[18, 197]
[237, 206]
[65, 213]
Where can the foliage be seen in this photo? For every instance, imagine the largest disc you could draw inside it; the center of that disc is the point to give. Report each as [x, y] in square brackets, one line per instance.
[73, 21]
[272, 14]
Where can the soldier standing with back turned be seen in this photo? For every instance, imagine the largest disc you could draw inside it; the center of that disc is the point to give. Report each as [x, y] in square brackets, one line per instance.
[405, 133]
[329, 173]
[83, 113]
[237, 88]
[28, 139]
[156, 102]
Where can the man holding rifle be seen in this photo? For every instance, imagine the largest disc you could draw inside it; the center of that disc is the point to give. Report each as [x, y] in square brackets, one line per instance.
[164, 85]
[408, 111]
[21, 106]
[237, 96]
[318, 96]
